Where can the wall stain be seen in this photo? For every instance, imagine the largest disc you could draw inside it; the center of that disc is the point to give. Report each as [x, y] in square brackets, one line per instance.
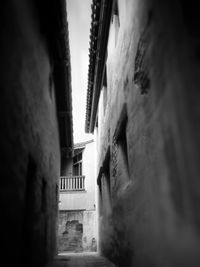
[141, 71]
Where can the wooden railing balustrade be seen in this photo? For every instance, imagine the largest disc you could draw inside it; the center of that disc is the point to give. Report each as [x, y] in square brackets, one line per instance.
[72, 183]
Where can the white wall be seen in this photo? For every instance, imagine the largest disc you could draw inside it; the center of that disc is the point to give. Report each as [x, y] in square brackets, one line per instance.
[82, 200]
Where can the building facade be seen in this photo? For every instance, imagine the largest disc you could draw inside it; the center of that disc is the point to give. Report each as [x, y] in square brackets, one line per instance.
[35, 126]
[77, 229]
[143, 108]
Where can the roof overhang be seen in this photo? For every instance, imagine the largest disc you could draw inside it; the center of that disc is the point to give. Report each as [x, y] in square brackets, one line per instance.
[54, 26]
[101, 17]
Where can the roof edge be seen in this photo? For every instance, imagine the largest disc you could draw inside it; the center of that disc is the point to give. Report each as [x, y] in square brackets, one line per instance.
[101, 17]
[82, 144]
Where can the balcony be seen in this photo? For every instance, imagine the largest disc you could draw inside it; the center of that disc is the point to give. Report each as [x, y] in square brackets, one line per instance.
[72, 183]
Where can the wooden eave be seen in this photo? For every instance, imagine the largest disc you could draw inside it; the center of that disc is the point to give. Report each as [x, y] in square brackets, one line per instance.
[54, 27]
[101, 17]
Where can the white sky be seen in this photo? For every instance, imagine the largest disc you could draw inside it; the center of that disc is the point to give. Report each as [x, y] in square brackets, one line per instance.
[79, 20]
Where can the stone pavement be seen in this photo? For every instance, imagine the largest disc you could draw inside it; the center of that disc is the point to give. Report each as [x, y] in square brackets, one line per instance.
[80, 260]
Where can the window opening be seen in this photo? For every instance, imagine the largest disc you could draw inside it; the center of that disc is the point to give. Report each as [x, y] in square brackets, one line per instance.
[77, 165]
[121, 141]
[106, 184]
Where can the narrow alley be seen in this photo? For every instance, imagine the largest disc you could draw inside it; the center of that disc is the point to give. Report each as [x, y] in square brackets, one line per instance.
[100, 133]
[80, 260]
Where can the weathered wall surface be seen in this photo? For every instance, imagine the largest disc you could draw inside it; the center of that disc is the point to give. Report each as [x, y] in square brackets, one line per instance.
[70, 231]
[89, 230]
[77, 231]
[79, 206]
[30, 156]
[154, 195]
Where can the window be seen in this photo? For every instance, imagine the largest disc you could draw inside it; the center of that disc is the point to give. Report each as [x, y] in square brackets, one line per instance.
[104, 183]
[77, 165]
[106, 192]
[123, 154]
[122, 149]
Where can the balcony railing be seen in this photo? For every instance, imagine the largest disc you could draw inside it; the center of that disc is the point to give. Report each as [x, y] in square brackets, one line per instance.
[72, 183]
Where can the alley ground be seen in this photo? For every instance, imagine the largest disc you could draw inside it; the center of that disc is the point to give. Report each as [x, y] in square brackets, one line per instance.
[80, 260]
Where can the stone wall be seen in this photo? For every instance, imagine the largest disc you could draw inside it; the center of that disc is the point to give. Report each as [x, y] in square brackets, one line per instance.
[149, 202]
[70, 231]
[30, 154]
[77, 231]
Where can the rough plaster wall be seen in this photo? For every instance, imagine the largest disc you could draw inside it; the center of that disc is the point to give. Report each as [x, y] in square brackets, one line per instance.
[74, 240]
[30, 157]
[89, 231]
[155, 71]
[69, 233]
